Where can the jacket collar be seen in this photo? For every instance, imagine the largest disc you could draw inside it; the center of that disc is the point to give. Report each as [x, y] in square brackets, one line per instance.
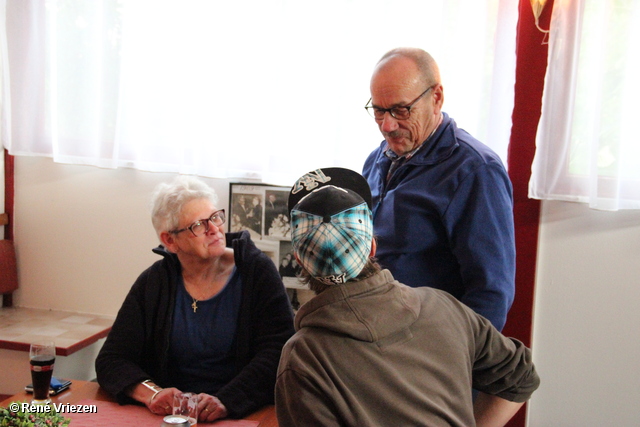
[438, 147]
[354, 308]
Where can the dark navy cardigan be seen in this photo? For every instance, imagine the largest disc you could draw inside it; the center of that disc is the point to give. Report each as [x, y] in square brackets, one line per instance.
[137, 347]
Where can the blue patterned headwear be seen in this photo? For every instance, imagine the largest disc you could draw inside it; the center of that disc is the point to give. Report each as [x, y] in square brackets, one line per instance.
[331, 225]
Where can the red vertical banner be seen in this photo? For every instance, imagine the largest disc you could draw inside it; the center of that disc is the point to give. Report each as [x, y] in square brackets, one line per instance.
[9, 189]
[7, 299]
[531, 66]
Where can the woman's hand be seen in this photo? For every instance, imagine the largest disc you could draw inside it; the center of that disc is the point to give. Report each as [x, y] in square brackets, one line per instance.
[210, 408]
[162, 403]
[159, 400]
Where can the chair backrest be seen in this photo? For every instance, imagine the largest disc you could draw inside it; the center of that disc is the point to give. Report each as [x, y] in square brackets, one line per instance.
[8, 271]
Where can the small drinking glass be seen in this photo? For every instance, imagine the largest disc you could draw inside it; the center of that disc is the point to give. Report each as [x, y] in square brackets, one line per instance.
[42, 356]
[186, 404]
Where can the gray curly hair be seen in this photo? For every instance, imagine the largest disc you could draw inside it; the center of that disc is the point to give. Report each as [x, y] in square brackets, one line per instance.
[168, 199]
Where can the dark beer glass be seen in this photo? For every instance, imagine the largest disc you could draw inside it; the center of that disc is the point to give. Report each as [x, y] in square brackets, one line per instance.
[42, 356]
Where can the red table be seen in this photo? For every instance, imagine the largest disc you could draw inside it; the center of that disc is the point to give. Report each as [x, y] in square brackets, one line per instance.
[86, 392]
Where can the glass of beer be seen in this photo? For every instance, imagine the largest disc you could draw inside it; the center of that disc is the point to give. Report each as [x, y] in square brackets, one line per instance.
[42, 356]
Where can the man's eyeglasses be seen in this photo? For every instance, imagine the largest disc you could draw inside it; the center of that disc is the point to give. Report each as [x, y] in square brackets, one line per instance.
[201, 226]
[398, 113]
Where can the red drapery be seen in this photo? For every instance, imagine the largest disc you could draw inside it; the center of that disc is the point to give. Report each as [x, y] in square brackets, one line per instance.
[531, 66]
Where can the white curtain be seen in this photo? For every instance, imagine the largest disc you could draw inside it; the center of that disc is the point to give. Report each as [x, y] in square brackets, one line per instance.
[250, 89]
[588, 145]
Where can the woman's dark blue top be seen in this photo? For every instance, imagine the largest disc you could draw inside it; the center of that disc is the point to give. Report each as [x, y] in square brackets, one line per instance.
[200, 353]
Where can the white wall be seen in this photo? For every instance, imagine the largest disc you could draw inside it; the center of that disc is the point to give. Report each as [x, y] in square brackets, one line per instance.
[83, 235]
[586, 333]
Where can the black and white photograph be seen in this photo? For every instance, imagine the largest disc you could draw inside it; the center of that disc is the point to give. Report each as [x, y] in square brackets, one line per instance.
[246, 214]
[260, 209]
[276, 217]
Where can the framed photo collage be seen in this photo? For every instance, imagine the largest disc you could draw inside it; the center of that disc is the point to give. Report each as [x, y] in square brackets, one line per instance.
[261, 209]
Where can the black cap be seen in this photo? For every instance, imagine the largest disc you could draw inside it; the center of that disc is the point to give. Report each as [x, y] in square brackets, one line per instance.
[342, 178]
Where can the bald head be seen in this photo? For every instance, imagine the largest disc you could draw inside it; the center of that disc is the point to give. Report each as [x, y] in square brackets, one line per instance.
[426, 67]
[407, 78]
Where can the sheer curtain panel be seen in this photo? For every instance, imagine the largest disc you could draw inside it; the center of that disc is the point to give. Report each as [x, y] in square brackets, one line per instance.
[250, 89]
[588, 144]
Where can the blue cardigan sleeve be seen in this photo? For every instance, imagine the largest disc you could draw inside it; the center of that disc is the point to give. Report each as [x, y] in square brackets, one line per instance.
[480, 227]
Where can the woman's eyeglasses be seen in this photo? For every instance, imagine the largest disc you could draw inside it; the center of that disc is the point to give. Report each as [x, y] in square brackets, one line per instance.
[201, 226]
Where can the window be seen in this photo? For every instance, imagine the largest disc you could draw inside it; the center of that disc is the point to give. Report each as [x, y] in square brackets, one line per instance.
[256, 89]
[588, 147]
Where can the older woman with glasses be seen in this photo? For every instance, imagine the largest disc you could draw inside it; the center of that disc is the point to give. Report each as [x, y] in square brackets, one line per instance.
[211, 317]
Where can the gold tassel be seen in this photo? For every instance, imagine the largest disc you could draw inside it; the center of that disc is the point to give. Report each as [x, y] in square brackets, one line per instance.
[538, 6]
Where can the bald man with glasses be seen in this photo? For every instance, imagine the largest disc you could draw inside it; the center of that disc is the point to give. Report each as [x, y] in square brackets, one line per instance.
[442, 200]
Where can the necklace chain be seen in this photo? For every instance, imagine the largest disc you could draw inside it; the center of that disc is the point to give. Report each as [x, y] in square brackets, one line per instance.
[194, 304]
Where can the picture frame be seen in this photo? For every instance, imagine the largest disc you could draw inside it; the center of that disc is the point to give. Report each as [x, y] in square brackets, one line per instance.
[262, 210]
